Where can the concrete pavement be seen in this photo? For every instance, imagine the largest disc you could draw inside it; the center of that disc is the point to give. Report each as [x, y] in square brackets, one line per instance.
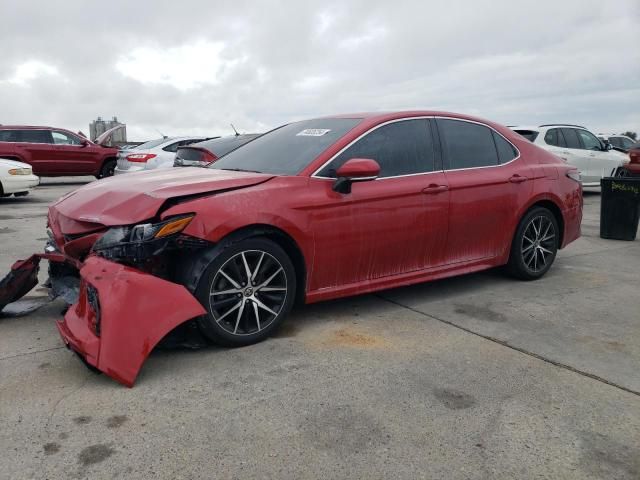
[477, 377]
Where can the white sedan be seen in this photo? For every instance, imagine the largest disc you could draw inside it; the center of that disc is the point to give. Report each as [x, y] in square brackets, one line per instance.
[16, 178]
[151, 155]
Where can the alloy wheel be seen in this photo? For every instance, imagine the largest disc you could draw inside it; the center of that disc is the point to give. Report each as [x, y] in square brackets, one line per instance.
[538, 243]
[248, 292]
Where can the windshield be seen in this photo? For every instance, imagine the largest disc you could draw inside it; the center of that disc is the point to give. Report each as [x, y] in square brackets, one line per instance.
[152, 143]
[288, 149]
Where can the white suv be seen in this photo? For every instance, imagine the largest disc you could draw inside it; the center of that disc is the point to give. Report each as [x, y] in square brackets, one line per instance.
[578, 147]
[153, 154]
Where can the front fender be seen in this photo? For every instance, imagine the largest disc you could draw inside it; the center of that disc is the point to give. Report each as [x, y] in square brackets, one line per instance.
[133, 312]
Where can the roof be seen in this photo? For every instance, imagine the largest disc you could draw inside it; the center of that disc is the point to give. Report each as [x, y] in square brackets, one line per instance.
[538, 127]
[30, 127]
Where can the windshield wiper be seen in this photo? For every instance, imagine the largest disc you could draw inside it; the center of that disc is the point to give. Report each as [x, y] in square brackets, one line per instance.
[239, 170]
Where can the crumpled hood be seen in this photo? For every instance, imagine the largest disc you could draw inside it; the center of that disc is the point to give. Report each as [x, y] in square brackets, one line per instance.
[133, 197]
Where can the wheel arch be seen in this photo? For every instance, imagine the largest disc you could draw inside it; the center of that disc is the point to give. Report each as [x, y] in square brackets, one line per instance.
[195, 268]
[105, 160]
[550, 205]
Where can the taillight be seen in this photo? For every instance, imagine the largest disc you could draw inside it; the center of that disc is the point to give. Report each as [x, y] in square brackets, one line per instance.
[634, 156]
[140, 157]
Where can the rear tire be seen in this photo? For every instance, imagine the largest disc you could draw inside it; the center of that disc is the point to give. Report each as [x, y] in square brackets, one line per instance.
[108, 168]
[534, 245]
[248, 290]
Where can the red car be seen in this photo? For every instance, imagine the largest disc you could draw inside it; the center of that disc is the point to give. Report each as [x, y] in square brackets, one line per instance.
[634, 160]
[311, 211]
[55, 152]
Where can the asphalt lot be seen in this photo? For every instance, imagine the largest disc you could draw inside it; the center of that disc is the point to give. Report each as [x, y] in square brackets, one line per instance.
[473, 377]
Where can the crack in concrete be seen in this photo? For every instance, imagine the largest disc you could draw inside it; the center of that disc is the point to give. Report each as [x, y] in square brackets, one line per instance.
[513, 347]
[31, 353]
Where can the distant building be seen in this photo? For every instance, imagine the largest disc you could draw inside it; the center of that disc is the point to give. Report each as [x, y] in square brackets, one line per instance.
[99, 126]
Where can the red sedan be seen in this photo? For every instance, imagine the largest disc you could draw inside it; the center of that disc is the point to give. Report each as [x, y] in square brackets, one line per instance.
[311, 211]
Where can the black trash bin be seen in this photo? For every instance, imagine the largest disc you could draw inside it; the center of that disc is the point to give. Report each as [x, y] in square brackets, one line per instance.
[619, 208]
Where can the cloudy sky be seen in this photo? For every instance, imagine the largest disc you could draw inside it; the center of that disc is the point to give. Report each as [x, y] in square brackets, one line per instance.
[195, 66]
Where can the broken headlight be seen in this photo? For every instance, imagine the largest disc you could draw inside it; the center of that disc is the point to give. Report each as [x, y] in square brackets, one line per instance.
[141, 241]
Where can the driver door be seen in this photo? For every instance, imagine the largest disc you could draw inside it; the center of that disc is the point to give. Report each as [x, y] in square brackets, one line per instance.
[598, 160]
[71, 156]
[393, 225]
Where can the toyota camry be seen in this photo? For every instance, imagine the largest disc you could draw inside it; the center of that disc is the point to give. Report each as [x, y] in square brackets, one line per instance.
[313, 210]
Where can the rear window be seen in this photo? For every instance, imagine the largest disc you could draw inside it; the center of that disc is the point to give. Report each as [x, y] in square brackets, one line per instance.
[8, 135]
[26, 136]
[506, 151]
[35, 136]
[571, 138]
[289, 149]
[530, 135]
[153, 143]
[467, 145]
[222, 146]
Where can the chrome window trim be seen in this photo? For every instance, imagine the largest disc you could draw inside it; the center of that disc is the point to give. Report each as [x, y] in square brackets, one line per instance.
[490, 128]
[315, 173]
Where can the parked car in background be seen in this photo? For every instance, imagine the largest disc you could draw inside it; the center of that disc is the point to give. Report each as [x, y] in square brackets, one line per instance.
[203, 153]
[580, 148]
[16, 178]
[634, 160]
[313, 210]
[153, 154]
[55, 152]
[619, 142]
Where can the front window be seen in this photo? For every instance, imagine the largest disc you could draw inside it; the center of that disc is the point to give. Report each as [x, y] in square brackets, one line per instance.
[400, 148]
[287, 150]
[589, 140]
[63, 138]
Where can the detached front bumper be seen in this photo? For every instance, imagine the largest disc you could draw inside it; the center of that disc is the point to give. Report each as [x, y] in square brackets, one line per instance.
[121, 314]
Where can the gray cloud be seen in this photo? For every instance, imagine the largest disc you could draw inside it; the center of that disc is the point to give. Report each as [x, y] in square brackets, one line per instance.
[261, 64]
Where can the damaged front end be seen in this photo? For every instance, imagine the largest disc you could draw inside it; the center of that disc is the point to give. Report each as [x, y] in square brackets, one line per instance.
[122, 288]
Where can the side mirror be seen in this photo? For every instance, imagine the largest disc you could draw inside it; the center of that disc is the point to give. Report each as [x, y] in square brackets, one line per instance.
[84, 142]
[355, 170]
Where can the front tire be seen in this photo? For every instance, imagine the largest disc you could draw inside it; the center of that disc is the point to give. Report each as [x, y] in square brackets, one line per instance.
[108, 168]
[247, 290]
[534, 245]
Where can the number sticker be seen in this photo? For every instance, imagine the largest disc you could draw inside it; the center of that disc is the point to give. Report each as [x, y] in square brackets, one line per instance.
[313, 132]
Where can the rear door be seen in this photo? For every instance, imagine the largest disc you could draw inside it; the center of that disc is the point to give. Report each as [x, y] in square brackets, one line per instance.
[71, 156]
[393, 225]
[37, 147]
[488, 184]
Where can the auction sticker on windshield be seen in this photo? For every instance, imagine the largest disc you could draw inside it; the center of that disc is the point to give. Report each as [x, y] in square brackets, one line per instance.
[313, 132]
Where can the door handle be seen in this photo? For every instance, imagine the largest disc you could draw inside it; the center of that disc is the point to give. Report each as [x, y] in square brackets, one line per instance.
[434, 189]
[518, 179]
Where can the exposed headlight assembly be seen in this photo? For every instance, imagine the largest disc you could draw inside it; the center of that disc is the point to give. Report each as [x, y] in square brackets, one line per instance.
[138, 242]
